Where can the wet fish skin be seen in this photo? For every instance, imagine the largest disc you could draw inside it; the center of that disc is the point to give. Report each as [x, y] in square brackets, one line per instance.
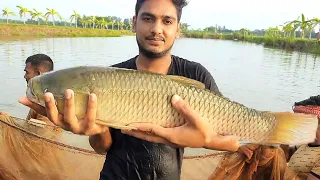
[125, 96]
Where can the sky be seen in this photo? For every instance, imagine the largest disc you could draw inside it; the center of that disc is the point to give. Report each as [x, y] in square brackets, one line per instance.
[233, 14]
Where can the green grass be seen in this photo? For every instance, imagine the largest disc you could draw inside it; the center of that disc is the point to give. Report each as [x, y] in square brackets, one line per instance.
[16, 30]
[296, 44]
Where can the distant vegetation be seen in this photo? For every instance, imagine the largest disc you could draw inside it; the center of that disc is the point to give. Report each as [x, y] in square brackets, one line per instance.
[18, 30]
[51, 23]
[53, 18]
[298, 34]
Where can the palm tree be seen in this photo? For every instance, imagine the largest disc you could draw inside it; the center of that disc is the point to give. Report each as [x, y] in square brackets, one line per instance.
[82, 21]
[310, 26]
[74, 16]
[23, 11]
[294, 27]
[52, 12]
[119, 24]
[103, 23]
[302, 24]
[88, 21]
[36, 14]
[93, 21]
[6, 12]
[316, 21]
[106, 23]
[112, 22]
[273, 32]
[287, 29]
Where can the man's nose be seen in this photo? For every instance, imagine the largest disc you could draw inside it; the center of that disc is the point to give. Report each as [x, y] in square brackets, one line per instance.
[157, 27]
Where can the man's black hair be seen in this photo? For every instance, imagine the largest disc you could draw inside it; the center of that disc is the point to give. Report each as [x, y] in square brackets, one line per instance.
[179, 4]
[38, 60]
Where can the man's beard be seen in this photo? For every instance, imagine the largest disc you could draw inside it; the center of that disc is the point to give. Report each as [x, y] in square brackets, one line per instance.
[151, 54]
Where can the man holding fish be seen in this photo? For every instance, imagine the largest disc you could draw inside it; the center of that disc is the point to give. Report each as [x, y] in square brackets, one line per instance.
[157, 25]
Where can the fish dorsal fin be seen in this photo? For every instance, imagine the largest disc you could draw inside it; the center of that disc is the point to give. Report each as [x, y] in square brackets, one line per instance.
[186, 81]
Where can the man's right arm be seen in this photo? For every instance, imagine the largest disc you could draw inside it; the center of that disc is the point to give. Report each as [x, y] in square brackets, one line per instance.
[101, 143]
[100, 139]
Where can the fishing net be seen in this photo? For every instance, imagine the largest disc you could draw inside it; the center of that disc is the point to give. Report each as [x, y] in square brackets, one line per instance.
[32, 152]
[307, 109]
[259, 162]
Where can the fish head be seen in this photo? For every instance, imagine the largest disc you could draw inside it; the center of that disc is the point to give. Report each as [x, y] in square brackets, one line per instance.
[35, 92]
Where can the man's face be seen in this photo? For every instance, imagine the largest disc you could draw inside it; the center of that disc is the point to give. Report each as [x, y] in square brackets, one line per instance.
[156, 27]
[30, 72]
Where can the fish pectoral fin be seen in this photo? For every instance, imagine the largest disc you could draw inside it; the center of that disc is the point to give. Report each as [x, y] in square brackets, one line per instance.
[186, 81]
[115, 126]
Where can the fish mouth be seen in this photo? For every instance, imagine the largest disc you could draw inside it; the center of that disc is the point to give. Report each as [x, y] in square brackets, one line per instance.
[31, 96]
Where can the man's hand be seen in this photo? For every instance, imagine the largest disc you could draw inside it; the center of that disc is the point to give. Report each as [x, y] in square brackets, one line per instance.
[195, 133]
[69, 121]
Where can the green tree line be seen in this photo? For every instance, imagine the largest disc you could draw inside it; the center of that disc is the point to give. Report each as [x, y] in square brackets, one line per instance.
[75, 19]
[300, 27]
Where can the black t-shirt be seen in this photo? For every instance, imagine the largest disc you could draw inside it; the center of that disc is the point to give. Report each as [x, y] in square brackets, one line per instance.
[136, 159]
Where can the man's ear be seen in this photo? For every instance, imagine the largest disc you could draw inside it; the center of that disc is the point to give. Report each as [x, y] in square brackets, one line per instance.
[134, 22]
[39, 72]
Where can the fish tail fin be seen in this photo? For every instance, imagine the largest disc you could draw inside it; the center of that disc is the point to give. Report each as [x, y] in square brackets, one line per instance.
[293, 128]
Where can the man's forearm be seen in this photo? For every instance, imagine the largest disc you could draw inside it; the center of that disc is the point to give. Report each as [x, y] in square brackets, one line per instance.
[222, 143]
[101, 143]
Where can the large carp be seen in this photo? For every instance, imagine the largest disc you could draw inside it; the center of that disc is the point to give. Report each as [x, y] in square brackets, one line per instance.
[125, 96]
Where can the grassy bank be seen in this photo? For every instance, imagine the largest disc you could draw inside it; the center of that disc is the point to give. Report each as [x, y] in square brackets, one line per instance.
[18, 30]
[293, 44]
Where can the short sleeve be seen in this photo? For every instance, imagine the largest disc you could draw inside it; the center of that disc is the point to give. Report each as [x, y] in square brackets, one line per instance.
[208, 79]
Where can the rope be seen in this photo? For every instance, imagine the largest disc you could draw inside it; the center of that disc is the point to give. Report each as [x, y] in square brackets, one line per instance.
[47, 140]
[84, 150]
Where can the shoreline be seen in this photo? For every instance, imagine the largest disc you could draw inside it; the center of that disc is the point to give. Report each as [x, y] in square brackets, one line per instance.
[311, 46]
[9, 32]
[36, 31]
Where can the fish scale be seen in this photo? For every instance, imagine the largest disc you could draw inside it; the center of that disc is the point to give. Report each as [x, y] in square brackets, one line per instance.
[128, 96]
